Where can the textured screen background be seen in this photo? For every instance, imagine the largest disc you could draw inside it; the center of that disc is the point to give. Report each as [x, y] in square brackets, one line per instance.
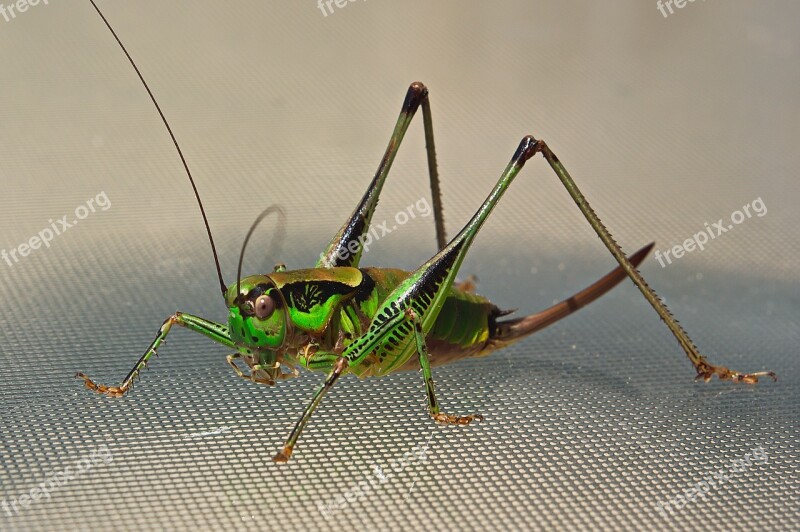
[666, 123]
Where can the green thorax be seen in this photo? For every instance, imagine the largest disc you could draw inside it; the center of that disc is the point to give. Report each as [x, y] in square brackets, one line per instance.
[303, 302]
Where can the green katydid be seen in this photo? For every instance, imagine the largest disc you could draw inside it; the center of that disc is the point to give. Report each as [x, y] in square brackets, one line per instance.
[338, 318]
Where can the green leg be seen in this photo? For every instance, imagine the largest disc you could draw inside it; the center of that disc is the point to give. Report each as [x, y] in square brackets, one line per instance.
[424, 363]
[320, 361]
[352, 234]
[338, 368]
[215, 331]
[705, 370]
[317, 360]
[389, 339]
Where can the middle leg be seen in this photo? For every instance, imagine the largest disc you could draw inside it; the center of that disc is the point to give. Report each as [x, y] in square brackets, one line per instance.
[424, 363]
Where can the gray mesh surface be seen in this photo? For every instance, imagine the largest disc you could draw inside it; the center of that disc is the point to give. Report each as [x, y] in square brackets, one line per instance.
[666, 124]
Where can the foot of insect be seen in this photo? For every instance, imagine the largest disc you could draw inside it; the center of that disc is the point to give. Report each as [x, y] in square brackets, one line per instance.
[111, 391]
[705, 371]
[283, 455]
[447, 419]
[424, 363]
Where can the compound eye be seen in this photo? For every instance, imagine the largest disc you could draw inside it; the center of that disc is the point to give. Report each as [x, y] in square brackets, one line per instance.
[264, 307]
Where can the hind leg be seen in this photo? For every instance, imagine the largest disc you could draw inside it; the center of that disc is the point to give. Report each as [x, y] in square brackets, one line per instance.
[354, 234]
[705, 370]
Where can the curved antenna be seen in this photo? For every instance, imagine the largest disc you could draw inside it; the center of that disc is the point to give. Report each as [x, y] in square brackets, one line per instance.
[175, 142]
[281, 225]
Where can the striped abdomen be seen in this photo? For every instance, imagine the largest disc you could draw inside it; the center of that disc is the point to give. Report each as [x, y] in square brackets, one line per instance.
[463, 327]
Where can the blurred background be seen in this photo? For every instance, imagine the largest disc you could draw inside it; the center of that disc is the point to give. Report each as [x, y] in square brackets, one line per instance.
[667, 121]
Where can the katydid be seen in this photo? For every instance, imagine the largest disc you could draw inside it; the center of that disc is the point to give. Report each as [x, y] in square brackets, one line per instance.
[339, 318]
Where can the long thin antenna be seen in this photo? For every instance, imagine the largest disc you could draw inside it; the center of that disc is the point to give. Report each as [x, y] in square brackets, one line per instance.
[281, 229]
[174, 141]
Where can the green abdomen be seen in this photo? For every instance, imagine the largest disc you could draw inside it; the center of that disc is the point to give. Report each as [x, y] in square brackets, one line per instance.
[463, 320]
[461, 329]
